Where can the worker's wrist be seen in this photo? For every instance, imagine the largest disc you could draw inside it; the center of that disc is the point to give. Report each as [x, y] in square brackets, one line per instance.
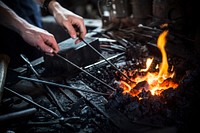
[47, 4]
[53, 6]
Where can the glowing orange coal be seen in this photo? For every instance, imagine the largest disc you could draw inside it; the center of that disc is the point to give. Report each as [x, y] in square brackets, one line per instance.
[155, 82]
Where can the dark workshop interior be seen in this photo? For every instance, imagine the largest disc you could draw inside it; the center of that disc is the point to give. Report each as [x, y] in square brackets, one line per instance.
[136, 71]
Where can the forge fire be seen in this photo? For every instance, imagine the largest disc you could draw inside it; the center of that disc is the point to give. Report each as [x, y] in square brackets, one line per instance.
[138, 72]
[98, 98]
[155, 82]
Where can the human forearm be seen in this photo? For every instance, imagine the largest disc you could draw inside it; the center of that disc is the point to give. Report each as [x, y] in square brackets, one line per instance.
[10, 19]
[33, 35]
[46, 3]
[71, 22]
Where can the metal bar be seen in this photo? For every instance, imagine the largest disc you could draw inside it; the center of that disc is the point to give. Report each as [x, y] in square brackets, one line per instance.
[148, 27]
[4, 62]
[68, 94]
[30, 65]
[60, 85]
[17, 114]
[51, 94]
[84, 71]
[115, 116]
[34, 103]
[99, 62]
[107, 60]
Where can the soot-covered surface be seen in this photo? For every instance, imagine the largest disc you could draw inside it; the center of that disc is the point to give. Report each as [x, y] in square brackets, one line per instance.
[175, 110]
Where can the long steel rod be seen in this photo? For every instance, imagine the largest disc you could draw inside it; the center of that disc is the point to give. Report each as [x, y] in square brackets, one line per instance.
[18, 114]
[51, 94]
[32, 102]
[59, 85]
[102, 61]
[4, 63]
[84, 71]
[107, 60]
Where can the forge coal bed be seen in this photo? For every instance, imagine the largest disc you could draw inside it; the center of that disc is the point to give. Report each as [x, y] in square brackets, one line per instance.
[106, 108]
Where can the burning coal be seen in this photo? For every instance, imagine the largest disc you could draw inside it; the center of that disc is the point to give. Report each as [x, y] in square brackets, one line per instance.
[156, 81]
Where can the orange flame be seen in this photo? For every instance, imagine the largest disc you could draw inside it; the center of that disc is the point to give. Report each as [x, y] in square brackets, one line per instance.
[155, 82]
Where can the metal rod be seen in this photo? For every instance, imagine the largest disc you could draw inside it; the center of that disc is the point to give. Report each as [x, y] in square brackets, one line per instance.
[18, 114]
[99, 62]
[34, 103]
[159, 30]
[4, 63]
[107, 60]
[148, 27]
[59, 85]
[137, 33]
[51, 94]
[84, 71]
[30, 65]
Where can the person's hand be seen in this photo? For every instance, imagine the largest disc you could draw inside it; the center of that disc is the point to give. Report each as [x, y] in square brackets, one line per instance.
[39, 38]
[74, 24]
[33, 35]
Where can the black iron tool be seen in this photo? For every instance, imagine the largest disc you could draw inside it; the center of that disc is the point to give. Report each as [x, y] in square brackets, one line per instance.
[16, 115]
[4, 62]
[107, 60]
[51, 94]
[32, 102]
[84, 71]
[59, 85]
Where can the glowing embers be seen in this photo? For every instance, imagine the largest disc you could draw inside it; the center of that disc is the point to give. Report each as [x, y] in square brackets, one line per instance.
[146, 80]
